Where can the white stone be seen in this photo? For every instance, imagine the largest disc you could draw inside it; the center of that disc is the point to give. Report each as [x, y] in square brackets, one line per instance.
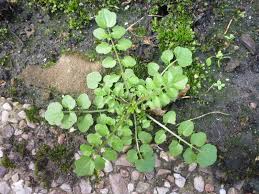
[161, 190]
[1, 153]
[130, 187]
[192, 167]
[22, 114]
[31, 166]
[135, 175]
[26, 106]
[179, 180]
[77, 156]
[7, 106]
[20, 188]
[85, 186]
[103, 191]
[18, 132]
[15, 178]
[222, 190]
[4, 188]
[71, 130]
[199, 183]
[232, 190]
[167, 184]
[108, 167]
[66, 187]
[5, 116]
[164, 156]
[157, 162]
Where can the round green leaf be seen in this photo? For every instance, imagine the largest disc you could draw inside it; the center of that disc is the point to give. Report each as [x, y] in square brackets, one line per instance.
[175, 148]
[94, 139]
[99, 101]
[183, 56]
[186, 128]
[93, 79]
[102, 129]
[160, 137]
[83, 101]
[117, 144]
[84, 166]
[110, 154]
[85, 122]
[103, 48]
[104, 119]
[172, 93]
[207, 155]
[146, 164]
[108, 62]
[110, 79]
[118, 32]
[123, 44]
[144, 137]
[127, 140]
[189, 156]
[146, 150]
[198, 139]
[152, 68]
[100, 34]
[132, 156]
[86, 150]
[54, 113]
[99, 163]
[164, 99]
[167, 56]
[68, 120]
[169, 117]
[179, 81]
[68, 102]
[129, 61]
[105, 18]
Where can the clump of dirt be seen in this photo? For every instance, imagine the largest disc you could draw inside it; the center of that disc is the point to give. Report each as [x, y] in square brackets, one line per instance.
[67, 76]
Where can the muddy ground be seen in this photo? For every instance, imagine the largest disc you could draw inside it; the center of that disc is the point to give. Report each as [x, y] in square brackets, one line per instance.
[37, 38]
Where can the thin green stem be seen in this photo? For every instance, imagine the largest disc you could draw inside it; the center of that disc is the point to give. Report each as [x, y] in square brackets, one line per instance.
[136, 133]
[87, 111]
[171, 132]
[170, 65]
[119, 61]
[209, 113]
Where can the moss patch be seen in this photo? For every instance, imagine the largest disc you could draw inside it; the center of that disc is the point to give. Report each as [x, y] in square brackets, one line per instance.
[6, 162]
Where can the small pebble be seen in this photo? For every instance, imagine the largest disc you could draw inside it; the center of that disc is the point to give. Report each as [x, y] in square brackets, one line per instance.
[130, 187]
[142, 187]
[135, 175]
[161, 190]
[66, 187]
[15, 178]
[7, 106]
[164, 156]
[124, 173]
[1, 153]
[104, 191]
[5, 116]
[61, 139]
[192, 167]
[163, 172]
[22, 114]
[179, 180]
[199, 183]
[167, 184]
[209, 188]
[232, 190]
[170, 178]
[108, 167]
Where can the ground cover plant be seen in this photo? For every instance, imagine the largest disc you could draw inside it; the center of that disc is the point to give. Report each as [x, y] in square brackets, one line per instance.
[121, 113]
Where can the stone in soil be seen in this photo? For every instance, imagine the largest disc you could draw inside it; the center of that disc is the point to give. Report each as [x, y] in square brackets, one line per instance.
[232, 65]
[135, 175]
[130, 187]
[66, 187]
[161, 190]
[122, 161]
[142, 187]
[118, 184]
[85, 186]
[7, 106]
[5, 116]
[199, 183]
[249, 43]
[209, 188]
[4, 188]
[108, 167]
[232, 190]
[161, 172]
[3, 171]
[179, 180]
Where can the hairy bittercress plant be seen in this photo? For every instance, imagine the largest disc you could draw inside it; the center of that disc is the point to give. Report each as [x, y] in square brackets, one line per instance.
[123, 107]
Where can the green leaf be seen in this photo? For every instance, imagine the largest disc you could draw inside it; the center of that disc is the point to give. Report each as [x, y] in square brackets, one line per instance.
[118, 32]
[117, 144]
[83, 101]
[102, 129]
[160, 137]
[146, 123]
[179, 81]
[189, 156]
[108, 62]
[164, 99]
[183, 56]
[169, 117]
[167, 56]
[93, 79]
[84, 166]
[186, 128]
[172, 93]
[99, 101]
[68, 102]
[68, 120]
[94, 139]
[86, 150]
[104, 119]
[125, 131]
[105, 18]
[123, 44]
[100, 34]
[198, 139]
[54, 113]
[144, 137]
[207, 155]
[128, 61]
[110, 154]
[127, 140]
[146, 164]
[146, 150]
[103, 48]
[110, 79]
[208, 61]
[99, 163]
[152, 68]
[132, 156]
[85, 122]
[175, 148]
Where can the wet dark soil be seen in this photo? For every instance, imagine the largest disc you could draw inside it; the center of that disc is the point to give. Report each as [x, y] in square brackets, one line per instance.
[36, 38]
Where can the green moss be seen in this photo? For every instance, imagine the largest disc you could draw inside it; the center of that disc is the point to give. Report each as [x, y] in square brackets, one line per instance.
[48, 64]
[6, 162]
[140, 31]
[61, 159]
[20, 147]
[33, 114]
[3, 33]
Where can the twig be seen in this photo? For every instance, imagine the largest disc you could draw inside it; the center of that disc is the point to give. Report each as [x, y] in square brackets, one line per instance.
[134, 23]
[155, 16]
[228, 26]
[136, 134]
[209, 113]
